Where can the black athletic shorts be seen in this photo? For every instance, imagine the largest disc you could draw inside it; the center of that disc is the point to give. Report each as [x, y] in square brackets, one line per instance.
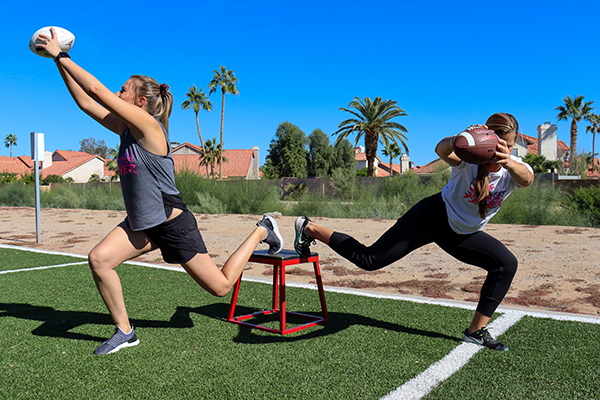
[179, 239]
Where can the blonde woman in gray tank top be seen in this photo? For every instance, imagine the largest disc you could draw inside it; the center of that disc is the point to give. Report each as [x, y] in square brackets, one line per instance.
[156, 217]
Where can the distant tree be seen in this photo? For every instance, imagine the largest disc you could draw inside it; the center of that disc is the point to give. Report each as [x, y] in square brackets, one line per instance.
[94, 178]
[7, 177]
[392, 151]
[540, 164]
[320, 154]
[211, 156]
[344, 157]
[113, 164]
[197, 100]
[91, 146]
[374, 121]
[226, 80]
[594, 120]
[577, 110]
[587, 161]
[28, 179]
[361, 172]
[10, 141]
[287, 153]
[52, 178]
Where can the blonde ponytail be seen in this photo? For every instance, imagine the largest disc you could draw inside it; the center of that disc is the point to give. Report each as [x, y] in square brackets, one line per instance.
[502, 124]
[482, 188]
[159, 100]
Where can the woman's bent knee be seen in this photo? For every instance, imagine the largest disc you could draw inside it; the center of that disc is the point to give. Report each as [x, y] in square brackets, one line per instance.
[100, 259]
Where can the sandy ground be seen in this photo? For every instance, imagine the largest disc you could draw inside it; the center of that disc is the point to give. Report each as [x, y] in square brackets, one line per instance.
[559, 267]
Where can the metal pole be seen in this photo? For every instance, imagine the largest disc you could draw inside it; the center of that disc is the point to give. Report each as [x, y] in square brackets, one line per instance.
[38, 225]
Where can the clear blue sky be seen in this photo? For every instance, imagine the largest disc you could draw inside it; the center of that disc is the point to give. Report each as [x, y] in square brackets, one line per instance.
[447, 64]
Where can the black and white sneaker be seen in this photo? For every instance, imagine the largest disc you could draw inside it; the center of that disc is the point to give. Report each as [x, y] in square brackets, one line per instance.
[303, 241]
[118, 341]
[483, 338]
[274, 238]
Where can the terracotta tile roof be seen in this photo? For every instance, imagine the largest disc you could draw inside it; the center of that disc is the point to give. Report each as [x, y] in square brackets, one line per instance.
[237, 165]
[16, 165]
[362, 156]
[594, 171]
[433, 166]
[532, 144]
[384, 169]
[187, 145]
[64, 161]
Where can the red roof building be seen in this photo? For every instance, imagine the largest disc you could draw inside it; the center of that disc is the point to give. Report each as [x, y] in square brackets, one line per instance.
[240, 163]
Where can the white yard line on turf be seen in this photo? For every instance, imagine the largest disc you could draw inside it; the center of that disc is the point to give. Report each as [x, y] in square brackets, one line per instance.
[13, 247]
[441, 370]
[44, 267]
[560, 316]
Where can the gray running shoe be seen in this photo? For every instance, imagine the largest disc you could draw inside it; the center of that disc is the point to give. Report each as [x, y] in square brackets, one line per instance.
[117, 341]
[303, 241]
[274, 238]
[483, 338]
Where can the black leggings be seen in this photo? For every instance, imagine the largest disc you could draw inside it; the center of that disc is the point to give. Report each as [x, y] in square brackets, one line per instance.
[425, 223]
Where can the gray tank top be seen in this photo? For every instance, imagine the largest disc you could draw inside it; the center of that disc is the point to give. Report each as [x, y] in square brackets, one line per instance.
[147, 182]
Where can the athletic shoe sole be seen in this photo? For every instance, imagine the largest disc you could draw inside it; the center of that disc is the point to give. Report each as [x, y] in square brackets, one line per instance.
[277, 233]
[301, 248]
[123, 345]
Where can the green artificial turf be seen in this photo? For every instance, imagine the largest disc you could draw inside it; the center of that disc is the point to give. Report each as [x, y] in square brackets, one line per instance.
[51, 321]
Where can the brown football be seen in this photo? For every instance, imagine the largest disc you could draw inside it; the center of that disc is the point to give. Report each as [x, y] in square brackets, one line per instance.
[476, 145]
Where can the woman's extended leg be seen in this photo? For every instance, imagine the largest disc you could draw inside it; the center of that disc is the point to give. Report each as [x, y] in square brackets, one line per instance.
[219, 282]
[422, 224]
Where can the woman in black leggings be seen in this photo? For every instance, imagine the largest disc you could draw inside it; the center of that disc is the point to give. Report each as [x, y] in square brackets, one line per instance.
[453, 219]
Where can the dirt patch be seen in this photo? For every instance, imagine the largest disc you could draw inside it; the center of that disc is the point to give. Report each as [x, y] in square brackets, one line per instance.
[557, 265]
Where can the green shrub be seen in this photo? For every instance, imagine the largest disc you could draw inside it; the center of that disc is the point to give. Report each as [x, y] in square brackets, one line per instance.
[208, 204]
[411, 188]
[7, 177]
[28, 179]
[235, 196]
[91, 197]
[52, 178]
[586, 201]
[539, 204]
[343, 182]
[295, 192]
[362, 172]
[248, 197]
[16, 194]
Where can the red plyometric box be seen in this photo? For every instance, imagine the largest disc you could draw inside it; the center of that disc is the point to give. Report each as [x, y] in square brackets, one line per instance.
[279, 261]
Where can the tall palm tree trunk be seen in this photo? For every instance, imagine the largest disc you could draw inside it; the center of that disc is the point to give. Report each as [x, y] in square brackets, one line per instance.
[370, 152]
[573, 155]
[199, 134]
[593, 151]
[222, 118]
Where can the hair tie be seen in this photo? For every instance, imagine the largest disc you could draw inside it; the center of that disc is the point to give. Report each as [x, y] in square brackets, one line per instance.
[164, 88]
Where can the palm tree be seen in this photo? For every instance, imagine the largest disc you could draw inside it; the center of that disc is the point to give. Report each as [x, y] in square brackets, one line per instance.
[10, 141]
[594, 128]
[208, 157]
[373, 119]
[226, 80]
[211, 155]
[113, 164]
[392, 151]
[197, 100]
[577, 110]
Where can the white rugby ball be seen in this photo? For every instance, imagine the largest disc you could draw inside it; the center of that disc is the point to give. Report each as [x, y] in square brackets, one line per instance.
[65, 40]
